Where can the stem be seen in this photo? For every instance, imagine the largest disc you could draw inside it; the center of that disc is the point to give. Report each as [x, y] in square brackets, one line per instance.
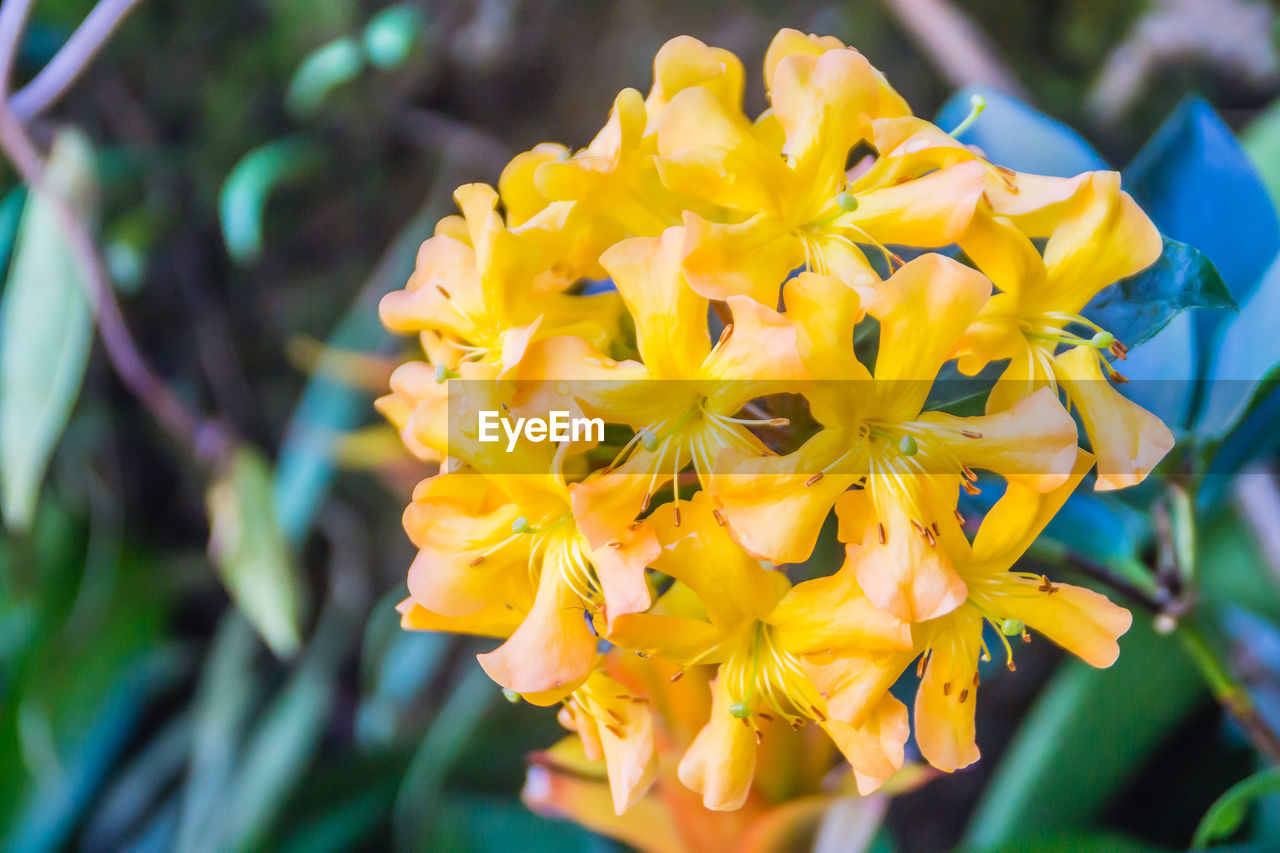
[1230, 693]
[72, 59]
[206, 439]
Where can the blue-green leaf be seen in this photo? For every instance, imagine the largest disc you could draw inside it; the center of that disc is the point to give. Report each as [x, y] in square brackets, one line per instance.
[324, 69]
[244, 194]
[391, 35]
[1228, 812]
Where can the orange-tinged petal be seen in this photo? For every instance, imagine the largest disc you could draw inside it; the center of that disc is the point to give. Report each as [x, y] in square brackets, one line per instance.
[670, 317]
[895, 563]
[833, 612]
[1034, 440]
[789, 42]
[520, 196]
[699, 552]
[751, 258]
[855, 683]
[721, 762]
[1030, 368]
[876, 748]
[493, 620]
[1127, 439]
[678, 639]
[948, 694]
[760, 350]
[626, 735]
[1080, 620]
[556, 787]
[620, 566]
[1003, 253]
[553, 649]
[776, 505]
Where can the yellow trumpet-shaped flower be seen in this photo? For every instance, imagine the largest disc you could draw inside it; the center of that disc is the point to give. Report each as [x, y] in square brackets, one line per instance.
[684, 399]
[1102, 236]
[485, 544]
[949, 648]
[911, 463]
[727, 609]
[803, 207]
[485, 291]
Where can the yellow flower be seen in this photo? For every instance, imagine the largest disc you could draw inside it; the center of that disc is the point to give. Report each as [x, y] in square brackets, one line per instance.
[728, 610]
[803, 207]
[485, 291]
[486, 544]
[1102, 236]
[949, 648]
[683, 400]
[912, 462]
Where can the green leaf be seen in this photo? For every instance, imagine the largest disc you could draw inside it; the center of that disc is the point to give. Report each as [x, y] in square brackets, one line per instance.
[1261, 142]
[250, 551]
[391, 35]
[1135, 308]
[244, 194]
[324, 69]
[1086, 736]
[1071, 842]
[46, 329]
[1228, 812]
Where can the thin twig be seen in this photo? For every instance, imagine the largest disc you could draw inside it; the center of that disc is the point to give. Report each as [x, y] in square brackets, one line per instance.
[206, 439]
[71, 59]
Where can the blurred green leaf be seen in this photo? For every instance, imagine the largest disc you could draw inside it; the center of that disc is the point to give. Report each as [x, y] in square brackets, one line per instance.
[478, 824]
[395, 666]
[243, 198]
[390, 35]
[1070, 842]
[137, 787]
[10, 216]
[250, 551]
[1227, 813]
[1261, 141]
[224, 700]
[325, 68]
[1086, 736]
[1137, 307]
[46, 329]
[455, 723]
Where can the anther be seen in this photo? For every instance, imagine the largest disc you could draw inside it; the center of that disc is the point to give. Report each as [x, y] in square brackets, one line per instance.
[929, 537]
[946, 688]
[964, 694]
[617, 718]
[968, 473]
[1012, 666]
[920, 666]
[443, 292]
[975, 678]
[1118, 377]
[718, 516]
[614, 730]
[725, 334]
[968, 433]
[959, 516]
[759, 736]
[969, 488]
[884, 534]
[817, 714]
[476, 561]
[679, 675]
[768, 718]
[615, 545]
[676, 513]
[816, 478]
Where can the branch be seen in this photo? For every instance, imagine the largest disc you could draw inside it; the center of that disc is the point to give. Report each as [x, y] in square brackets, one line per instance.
[72, 59]
[206, 439]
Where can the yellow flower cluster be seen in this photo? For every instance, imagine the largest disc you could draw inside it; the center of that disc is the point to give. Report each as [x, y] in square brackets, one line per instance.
[751, 260]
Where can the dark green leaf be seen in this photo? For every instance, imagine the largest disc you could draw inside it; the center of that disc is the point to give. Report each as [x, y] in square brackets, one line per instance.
[244, 194]
[325, 68]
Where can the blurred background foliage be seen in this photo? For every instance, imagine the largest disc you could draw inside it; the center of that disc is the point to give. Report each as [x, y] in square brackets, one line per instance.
[208, 658]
